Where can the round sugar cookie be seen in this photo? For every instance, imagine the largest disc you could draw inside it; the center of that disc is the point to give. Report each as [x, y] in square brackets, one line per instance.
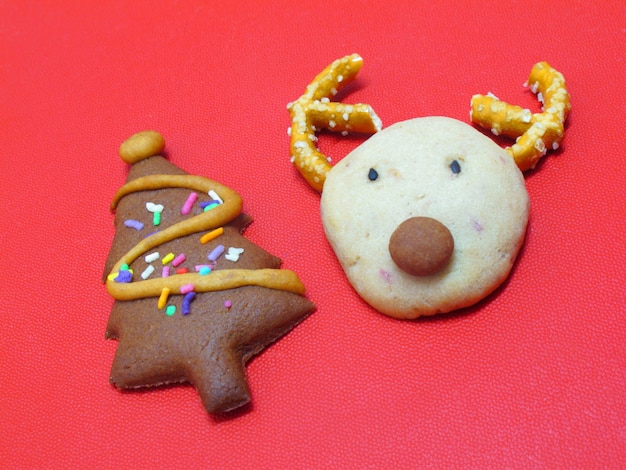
[426, 168]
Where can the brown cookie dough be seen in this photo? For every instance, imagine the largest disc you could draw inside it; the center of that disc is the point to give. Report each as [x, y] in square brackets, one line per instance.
[199, 330]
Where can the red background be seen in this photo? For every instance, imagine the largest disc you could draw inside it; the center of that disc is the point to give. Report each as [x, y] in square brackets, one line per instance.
[532, 377]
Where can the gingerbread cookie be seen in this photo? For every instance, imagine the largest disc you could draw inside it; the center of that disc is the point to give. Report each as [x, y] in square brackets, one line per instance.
[194, 299]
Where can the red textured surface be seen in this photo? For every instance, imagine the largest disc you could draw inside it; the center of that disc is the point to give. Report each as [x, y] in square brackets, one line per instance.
[533, 377]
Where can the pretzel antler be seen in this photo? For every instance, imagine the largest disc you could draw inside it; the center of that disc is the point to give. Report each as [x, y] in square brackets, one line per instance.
[535, 133]
[314, 110]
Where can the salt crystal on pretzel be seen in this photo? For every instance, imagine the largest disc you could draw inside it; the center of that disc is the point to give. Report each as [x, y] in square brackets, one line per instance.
[314, 110]
[535, 133]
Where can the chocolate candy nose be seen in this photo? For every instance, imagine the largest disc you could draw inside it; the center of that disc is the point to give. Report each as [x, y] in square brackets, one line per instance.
[421, 246]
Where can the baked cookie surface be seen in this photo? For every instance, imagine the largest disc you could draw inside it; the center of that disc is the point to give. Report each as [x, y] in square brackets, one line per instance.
[212, 308]
[433, 167]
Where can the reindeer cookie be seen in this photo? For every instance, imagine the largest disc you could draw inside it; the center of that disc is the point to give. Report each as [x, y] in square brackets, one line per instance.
[428, 215]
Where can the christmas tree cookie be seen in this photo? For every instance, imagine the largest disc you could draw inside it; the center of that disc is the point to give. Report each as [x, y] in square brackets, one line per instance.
[194, 299]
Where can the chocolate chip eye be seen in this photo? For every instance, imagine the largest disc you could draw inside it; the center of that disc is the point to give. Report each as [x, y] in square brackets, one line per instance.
[372, 175]
[455, 167]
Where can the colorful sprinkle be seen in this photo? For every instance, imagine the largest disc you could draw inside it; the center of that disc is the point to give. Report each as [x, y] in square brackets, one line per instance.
[127, 274]
[233, 254]
[147, 272]
[205, 270]
[210, 206]
[204, 204]
[152, 257]
[167, 258]
[152, 207]
[186, 288]
[207, 237]
[165, 293]
[180, 259]
[228, 304]
[216, 253]
[165, 272]
[182, 271]
[215, 197]
[186, 209]
[124, 276]
[200, 266]
[131, 223]
[156, 209]
[170, 310]
[186, 307]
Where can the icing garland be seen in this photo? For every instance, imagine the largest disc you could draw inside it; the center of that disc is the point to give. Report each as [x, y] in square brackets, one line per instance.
[213, 219]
